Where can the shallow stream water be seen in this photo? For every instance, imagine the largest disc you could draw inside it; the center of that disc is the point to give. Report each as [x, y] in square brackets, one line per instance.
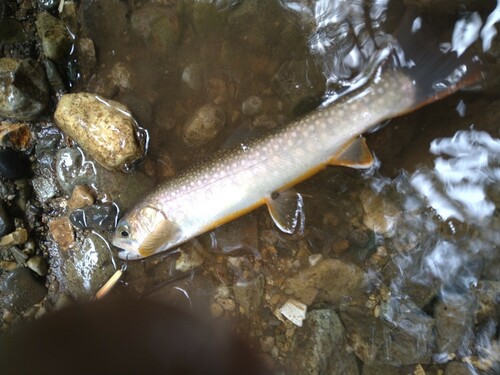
[395, 270]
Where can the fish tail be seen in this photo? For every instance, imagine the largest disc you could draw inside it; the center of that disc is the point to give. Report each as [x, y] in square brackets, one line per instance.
[436, 72]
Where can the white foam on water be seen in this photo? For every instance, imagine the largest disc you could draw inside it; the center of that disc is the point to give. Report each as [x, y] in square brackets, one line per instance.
[489, 30]
[457, 185]
[466, 32]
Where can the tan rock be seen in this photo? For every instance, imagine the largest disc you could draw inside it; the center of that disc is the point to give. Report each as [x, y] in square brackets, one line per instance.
[103, 128]
[62, 232]
[81, 197]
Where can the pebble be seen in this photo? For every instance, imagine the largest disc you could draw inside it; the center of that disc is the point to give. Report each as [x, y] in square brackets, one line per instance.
[16, 135]
[340, 246]
[6, 224]
[44, 188]
[56, 39]
[96, 216]
[204, 126]
[190, 258]
[20, 290]
[24, 91]
[251, 106]
[18, 237]
[295, 311]
[216, 310]
[62, 232]
[380, 215]
[54, 77]
[227, 304]
[103, 128]
[193, 76]
[164, 166]
[314, 259]
[82, 196]
[38, 264]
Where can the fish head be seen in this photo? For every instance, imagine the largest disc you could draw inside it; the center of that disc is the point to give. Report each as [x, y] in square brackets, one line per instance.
[143, 232]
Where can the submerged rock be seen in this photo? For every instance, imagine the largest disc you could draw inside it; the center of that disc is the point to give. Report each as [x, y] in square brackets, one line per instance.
[329, 281]
[72, 169]
[319, 347]
[11, 31]
[204, 126]
[20, 290]
[38, 264]
[62, 232]
[104, 128]
[249, 294]
[88, 267]
[56, 38]
[13, 164]
[6, 224]
[23, 89]
[96, 216]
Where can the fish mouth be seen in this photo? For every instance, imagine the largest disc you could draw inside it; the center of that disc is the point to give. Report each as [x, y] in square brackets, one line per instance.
[128, 255]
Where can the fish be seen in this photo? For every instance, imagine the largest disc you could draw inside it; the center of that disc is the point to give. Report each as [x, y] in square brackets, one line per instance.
[264, 171]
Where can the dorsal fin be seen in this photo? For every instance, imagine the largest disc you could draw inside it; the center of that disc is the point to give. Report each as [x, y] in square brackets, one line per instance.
[354, 154]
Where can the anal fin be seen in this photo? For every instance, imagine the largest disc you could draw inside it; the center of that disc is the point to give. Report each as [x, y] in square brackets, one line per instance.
[287, 210]
[354, 154]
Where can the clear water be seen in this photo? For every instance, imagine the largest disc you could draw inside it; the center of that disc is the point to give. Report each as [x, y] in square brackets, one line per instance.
[429, 268]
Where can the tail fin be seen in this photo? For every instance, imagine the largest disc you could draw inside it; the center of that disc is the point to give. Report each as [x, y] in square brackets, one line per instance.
[436, 73]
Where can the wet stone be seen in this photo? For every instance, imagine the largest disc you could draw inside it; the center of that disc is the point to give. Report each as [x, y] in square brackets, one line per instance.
[82, 196]
[87, 268]
[72, 169]
[380, 215]
[62, 232]
[103, 128]
[6, 224]
[454, 324]
[23, 89]
[319, 347]
[249, 294]
[193, 76]
[333, 279]
[252, 106]
[11, 31]
[44, 188]
[190, 257]
[54, 77]
[20, 290]
[97, 216]
[38, 264]
[300, 84]
[204, 126]
[19, 236]
[55, 36]
[13, 164]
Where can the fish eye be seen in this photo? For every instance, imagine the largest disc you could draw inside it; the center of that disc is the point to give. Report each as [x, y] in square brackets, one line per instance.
[124, 231]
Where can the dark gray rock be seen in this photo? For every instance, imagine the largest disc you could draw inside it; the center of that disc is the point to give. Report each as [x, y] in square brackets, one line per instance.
[72, 169]
[319, 347]
[11, 31]
[13, 164]
[23, 89]
[86, 268]
[403, 335]
[6, 224]
[54, 77]
[97, 216]
[20, 290]
[45, 188]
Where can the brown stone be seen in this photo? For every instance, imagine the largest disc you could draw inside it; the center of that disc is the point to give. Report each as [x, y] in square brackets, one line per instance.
[82, 196]
[62, 232]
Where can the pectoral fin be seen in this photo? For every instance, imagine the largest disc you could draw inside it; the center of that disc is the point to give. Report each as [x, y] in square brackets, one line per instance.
[354, 154]
[286, 209]
[162, 233]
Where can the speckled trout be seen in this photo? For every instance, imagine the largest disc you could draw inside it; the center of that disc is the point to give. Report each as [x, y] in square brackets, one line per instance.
[263, 171]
